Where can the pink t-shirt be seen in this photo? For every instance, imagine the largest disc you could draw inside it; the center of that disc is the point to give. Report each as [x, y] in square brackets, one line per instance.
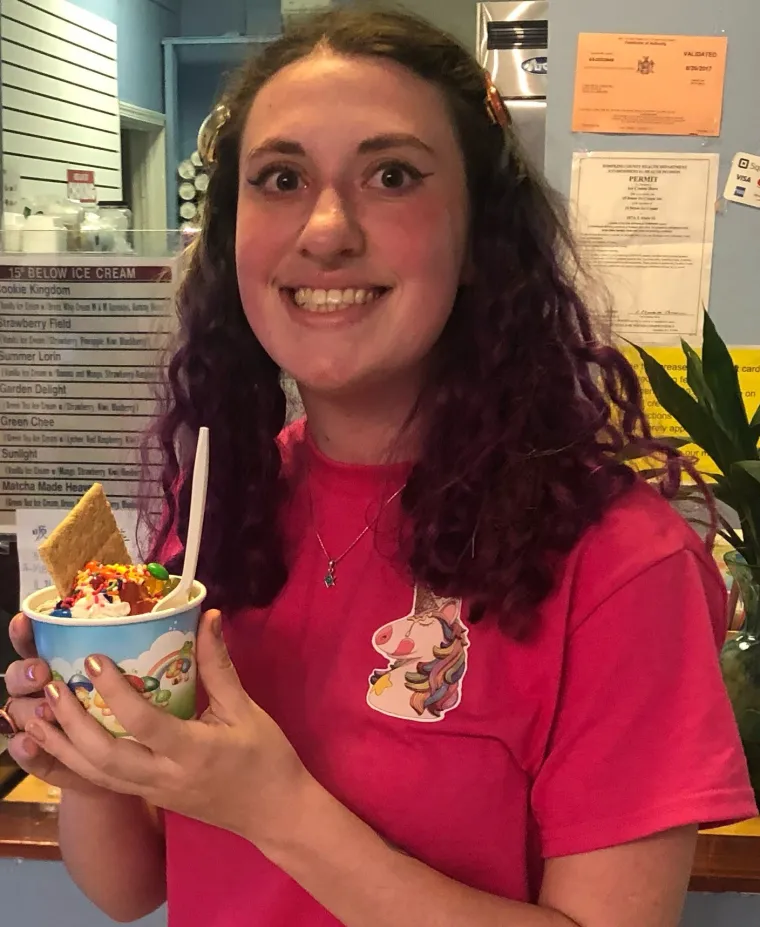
[475, 753]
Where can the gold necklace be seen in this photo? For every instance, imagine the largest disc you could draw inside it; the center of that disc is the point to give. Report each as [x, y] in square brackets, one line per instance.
[332, 562]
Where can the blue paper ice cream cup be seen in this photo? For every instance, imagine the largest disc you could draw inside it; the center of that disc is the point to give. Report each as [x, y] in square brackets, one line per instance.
[156, 652]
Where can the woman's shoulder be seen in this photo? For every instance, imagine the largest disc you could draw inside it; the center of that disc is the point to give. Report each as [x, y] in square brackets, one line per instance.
[640, 531]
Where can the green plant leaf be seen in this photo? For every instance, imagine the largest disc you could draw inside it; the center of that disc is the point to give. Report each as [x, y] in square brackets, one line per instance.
[745, 483]
[653, 474]
[755, 426]
[696, 421]
[696, 379]
[634, 451]
[722, 381]
[675, 443]
[723, 492]
[729, 534]
[750, 466]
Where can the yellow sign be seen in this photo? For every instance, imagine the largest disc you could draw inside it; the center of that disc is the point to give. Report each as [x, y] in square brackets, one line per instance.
[649, 84]
[747, 361]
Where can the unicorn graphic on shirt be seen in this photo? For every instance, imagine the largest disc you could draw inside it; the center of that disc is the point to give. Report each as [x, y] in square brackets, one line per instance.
[426, 652]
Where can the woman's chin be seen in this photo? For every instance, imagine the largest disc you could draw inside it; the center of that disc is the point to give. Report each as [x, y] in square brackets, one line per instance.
[335, 381]
[333, 385]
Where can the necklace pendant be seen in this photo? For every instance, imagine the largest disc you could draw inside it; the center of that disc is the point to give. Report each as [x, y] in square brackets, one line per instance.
[330, 574]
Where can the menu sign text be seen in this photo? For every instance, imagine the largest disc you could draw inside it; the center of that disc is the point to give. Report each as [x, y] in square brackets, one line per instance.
[80, 340]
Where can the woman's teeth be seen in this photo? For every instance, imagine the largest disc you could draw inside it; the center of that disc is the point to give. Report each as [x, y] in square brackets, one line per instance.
[333, 300]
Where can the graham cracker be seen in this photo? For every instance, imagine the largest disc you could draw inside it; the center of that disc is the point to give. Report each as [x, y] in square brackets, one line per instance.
[88, 532]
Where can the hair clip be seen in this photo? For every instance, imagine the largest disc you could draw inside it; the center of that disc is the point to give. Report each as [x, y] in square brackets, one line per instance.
[208, 134]
[497, 111]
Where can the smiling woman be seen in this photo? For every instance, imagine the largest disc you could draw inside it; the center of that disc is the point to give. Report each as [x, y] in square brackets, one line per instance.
[443, 694]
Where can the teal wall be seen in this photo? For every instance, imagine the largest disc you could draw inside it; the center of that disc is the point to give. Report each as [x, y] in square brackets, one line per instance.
[244, 17]
[141, 25]
[457, 17]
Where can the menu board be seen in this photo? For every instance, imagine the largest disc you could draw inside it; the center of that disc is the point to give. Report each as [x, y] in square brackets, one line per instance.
[80, 340]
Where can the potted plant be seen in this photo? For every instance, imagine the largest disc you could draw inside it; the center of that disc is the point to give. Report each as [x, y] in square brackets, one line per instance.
[713, 417]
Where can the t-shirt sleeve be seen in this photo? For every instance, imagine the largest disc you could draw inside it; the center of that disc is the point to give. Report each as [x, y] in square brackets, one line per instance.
[644, 738]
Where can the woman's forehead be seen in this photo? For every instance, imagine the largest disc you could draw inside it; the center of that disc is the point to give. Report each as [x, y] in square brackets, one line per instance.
[325, 90]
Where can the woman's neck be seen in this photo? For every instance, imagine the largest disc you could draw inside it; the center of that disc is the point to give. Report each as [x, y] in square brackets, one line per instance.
[366, 429]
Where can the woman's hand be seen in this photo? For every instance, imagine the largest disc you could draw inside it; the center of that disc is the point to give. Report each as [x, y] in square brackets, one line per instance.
[233, 768]
[25, 680]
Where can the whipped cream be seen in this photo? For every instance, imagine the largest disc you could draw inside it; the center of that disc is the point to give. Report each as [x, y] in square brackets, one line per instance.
[99, 606]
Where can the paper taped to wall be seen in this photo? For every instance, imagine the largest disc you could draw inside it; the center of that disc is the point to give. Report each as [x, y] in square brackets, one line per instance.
[645, 223]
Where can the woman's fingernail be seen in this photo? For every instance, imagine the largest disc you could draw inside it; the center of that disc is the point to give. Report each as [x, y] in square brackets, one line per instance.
[36, 731]
[29, 748]
[216, 625]
[44, 712]
[30, 673]
[92, 666]
[51, 690]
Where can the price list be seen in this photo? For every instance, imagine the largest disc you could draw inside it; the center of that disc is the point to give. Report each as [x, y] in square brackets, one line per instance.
[80, 343]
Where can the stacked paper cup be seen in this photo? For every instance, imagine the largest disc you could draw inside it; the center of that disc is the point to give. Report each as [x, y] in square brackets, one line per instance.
[44, 235]
[13, 232]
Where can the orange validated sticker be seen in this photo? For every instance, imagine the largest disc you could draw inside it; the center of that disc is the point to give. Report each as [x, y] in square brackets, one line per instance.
[649, 84]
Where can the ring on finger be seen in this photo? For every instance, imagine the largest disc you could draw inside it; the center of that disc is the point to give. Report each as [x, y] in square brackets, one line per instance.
[8, 726]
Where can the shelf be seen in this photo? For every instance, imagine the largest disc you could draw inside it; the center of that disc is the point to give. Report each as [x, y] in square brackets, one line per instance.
[212, 53]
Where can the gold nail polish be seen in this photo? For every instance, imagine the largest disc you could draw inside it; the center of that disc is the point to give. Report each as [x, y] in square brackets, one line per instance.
[92, 666]
[51, 690]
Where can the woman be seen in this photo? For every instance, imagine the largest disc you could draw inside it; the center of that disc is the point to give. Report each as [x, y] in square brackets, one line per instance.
[475, 678]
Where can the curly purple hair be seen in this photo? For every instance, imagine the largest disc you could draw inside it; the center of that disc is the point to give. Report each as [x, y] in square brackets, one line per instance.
[525, 413]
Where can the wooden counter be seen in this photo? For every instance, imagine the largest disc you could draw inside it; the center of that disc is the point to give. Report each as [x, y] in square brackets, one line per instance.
[29, 830]
[728, 859]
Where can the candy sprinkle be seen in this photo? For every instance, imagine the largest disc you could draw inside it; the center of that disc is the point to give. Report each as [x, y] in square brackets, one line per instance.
[159, 571]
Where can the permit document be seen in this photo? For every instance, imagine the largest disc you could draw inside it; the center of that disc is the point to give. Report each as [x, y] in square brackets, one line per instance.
[645, 224]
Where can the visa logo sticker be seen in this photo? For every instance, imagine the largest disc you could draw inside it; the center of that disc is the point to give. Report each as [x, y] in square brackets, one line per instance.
[536, 65]
[743, 182]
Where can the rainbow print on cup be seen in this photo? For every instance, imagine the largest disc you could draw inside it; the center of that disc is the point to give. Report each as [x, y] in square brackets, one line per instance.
[155, 651]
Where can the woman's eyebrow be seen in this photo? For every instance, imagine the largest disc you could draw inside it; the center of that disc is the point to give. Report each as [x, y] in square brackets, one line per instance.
[393, 140]
[377, 143]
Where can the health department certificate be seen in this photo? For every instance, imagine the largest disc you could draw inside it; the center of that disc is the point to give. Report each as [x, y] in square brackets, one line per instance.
[645, 225]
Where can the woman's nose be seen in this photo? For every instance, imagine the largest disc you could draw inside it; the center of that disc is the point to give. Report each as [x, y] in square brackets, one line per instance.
[332, 230]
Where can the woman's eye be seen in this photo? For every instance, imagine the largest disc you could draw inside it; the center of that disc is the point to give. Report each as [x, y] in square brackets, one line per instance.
[396, 177]
[278, 180]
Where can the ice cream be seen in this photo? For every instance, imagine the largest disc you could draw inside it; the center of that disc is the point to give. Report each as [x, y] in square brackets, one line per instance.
[114, 590]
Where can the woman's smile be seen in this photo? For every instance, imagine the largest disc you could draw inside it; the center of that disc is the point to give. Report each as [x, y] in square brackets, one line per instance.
[316, 299]
[315, 308]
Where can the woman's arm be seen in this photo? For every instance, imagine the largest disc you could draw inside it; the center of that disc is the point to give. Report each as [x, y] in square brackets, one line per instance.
[364, 882]
[113, 848]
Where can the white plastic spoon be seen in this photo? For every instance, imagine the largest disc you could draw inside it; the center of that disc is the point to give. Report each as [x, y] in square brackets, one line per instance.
[180, 594]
